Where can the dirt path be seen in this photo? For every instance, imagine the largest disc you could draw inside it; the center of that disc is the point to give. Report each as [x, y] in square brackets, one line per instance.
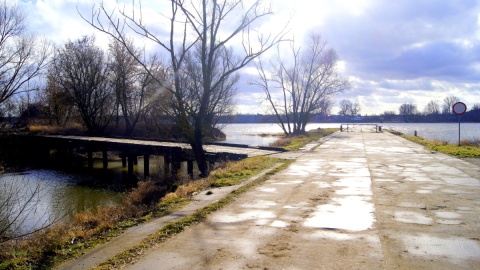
[358, 201]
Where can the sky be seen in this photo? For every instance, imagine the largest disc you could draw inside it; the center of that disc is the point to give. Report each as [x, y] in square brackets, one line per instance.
[392, 52]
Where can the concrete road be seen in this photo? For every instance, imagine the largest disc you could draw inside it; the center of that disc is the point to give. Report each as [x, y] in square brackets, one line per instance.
[359, 200]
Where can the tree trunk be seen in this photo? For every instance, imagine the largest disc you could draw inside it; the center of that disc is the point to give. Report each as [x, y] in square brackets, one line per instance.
[200, 157]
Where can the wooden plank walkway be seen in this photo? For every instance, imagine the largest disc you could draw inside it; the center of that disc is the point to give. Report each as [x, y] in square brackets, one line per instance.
[239, 149]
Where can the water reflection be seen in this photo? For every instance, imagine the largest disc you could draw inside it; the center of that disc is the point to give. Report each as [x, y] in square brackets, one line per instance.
[33, 199]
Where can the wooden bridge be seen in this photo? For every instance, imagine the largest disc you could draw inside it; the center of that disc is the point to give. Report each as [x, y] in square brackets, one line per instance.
[130, 149]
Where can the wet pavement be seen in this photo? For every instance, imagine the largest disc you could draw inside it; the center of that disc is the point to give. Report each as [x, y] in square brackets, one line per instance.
[356, 200]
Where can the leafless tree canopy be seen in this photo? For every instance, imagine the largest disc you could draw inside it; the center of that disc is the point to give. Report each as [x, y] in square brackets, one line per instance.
[306, 81]
[408, 109]
[134, 87]
[348, 108]
[201, 62]
[82, 71]
[448, 103]
[22, 57]
[432, 108]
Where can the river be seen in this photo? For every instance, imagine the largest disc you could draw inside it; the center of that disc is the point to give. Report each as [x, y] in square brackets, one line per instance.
[58, 194]
[250, 133]
[35, 198]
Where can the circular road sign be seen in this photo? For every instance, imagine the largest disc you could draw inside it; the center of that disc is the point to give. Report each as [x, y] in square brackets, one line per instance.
[459, 108]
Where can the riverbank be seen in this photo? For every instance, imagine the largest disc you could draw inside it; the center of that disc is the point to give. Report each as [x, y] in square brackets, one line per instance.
[468, 150]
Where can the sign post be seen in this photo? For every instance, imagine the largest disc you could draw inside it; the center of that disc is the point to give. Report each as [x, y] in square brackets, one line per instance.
[459, 108]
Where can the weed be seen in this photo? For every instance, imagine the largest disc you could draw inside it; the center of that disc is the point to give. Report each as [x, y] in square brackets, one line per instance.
[296, 142]
[469, 149]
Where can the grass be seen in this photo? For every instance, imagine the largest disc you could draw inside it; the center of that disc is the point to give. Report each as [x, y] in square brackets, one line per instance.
[296, 142]
[467, 149]
[239, 171]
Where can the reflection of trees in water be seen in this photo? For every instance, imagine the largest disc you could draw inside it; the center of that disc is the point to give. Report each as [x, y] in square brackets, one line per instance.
[24, 206]
[37, 199]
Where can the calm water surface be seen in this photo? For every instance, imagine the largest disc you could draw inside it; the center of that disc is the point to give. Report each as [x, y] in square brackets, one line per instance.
[249, 133]
[39, 197]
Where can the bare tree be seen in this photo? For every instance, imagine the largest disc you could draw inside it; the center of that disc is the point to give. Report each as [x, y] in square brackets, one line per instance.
[22, 56]
[407, 109]
[60, 106]
[220, 101]
[348, 108]
[210, 26]
[133, 86]
[355, 109]
[304, 85]
[326, 107]
[432, 108]
[345, 107]
[82, 71]
[448, 103]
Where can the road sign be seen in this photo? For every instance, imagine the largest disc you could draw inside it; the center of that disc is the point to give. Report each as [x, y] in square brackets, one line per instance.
[459, 108]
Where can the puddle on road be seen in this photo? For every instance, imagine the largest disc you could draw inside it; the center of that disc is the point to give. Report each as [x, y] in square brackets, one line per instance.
[352, 213]
[412, 217]
[296, 206]
[268, 190]
[258, 215]
[423, 191]
[462, 181]
[305, 168]
[354, 186]
[259, 204]
[448, 215]
[293, 182]
[449, 221]
[456, 248]
[279, 224]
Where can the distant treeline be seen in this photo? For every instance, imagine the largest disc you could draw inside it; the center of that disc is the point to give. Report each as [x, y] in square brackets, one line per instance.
[470, 116]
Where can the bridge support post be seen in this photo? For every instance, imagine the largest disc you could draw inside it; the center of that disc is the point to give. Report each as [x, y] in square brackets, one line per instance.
[146, 166]
[135, 160]
[105, 159]
[190, 168]
[176, 165]
[131, 160]
[90, 159]
[69, 153]
[124, 160]
[166, 166]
